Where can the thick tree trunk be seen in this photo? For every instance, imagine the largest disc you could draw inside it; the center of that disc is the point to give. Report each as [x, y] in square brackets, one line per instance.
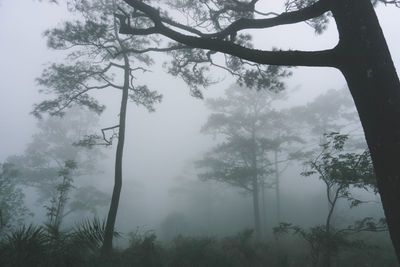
[375, 87]
[112, 213]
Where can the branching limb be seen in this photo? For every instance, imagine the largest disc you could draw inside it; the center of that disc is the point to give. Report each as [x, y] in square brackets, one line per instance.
[151, 49]
[312, 11]
[323, 58]
[108, 141]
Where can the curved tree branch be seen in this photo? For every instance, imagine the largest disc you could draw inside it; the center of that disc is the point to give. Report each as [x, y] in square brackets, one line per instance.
[324, 58]
[312, 11]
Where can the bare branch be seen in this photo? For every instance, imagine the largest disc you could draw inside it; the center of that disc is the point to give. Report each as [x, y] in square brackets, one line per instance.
[108, 140]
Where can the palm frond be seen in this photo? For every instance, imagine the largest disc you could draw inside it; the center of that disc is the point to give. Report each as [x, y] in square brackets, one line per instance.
[89, 234]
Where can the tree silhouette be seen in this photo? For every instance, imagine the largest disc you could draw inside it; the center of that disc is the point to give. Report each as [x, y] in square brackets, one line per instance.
[248, 125]
[99, 59]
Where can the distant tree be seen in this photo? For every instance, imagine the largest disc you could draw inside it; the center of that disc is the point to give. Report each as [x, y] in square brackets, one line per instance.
[340, 171]
[331, 111]
[286, 145]
[244, 119]
[51, 162]
[99, 59]
[55, 211]
[12, 206]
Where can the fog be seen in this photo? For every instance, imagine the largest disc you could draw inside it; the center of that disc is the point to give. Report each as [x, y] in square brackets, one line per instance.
[161, 190]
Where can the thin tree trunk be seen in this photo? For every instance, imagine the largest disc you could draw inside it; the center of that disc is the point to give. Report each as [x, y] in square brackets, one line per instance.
[264, 207]
[256, 189]
[332, 204]
[112, 213]
[256, 207]
[277, 189]
[375, 87]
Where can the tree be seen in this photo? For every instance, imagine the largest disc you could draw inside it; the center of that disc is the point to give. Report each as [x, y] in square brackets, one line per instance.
[55, 212]
[284, 140]
[245, 120]
[361, 54]
[12, 208]
[51, 163]
[332, 111]
[97, 54]
[340, 172]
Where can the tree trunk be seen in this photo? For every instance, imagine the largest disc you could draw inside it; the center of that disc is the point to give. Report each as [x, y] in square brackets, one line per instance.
[256, 207]
[375, 87]
[256, 188]
[263, 207]
[277, 189]
[112, 213]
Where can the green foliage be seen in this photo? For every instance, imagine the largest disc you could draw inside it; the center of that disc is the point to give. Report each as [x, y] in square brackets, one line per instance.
[90, 32]
[340, 169]
[68, 82]
[193, 74]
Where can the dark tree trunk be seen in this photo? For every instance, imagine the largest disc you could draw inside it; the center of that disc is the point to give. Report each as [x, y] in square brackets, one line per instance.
[375, 87]
[112, 213]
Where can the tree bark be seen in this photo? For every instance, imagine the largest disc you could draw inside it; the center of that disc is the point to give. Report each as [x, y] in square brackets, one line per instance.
[373, 82]
[112, 213]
